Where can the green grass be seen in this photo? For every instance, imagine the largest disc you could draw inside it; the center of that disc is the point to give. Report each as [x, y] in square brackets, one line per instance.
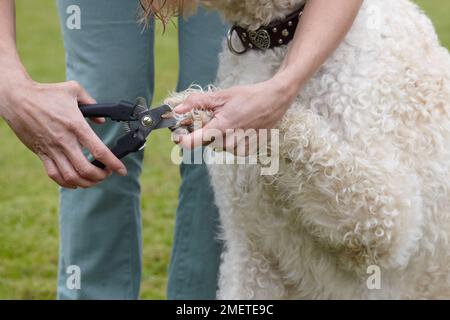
[439, 12]
[29, 201]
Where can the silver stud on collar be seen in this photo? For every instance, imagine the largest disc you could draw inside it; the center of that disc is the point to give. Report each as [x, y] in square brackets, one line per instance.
[274, 30]
[280, 41]
[290, 24]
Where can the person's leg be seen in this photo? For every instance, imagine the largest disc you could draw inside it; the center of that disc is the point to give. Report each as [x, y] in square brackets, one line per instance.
[196, 251]
[112, 57]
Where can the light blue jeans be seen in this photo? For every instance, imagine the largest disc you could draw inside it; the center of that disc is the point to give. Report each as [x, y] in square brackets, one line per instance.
[112, 57]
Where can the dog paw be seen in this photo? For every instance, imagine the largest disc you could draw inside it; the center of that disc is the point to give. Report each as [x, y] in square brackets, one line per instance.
[192, 120]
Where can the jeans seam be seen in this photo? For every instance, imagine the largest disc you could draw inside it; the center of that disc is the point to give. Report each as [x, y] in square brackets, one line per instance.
[183, 245]
[133, 258]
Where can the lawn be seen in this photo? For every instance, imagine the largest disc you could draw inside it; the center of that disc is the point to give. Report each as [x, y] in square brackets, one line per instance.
[29, 201]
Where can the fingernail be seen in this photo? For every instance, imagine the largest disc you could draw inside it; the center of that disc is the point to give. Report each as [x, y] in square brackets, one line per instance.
[122, 172]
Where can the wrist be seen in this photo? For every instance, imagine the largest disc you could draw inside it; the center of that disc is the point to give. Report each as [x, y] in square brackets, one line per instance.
[287, 83]
[14, 81]
[12, 73]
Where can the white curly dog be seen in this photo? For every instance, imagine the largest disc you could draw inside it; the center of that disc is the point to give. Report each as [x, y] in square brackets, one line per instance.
[364, 175]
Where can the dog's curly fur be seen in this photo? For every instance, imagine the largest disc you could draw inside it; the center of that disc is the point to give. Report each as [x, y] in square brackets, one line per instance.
[365, 166]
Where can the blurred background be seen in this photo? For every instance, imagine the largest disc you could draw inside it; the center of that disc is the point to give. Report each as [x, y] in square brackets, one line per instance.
[29, 200]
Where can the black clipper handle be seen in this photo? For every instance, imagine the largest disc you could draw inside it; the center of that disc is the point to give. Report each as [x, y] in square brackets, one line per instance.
[131, 142]
[122, 111]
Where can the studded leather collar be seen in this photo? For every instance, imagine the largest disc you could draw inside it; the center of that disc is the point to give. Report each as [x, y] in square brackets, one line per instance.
[276, 34]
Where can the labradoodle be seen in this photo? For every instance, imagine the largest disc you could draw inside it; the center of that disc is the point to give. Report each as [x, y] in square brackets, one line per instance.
[364, 177]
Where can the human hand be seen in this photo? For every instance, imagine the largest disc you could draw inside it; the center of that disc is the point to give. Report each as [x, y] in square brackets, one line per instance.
[46, 118]
[257, 106]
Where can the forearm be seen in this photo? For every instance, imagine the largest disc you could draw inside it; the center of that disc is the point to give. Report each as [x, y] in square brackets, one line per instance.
[10, 65]
[7, 30]
[323, 26]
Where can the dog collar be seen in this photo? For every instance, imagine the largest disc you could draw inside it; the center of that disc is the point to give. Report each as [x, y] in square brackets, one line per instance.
[276, 34]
